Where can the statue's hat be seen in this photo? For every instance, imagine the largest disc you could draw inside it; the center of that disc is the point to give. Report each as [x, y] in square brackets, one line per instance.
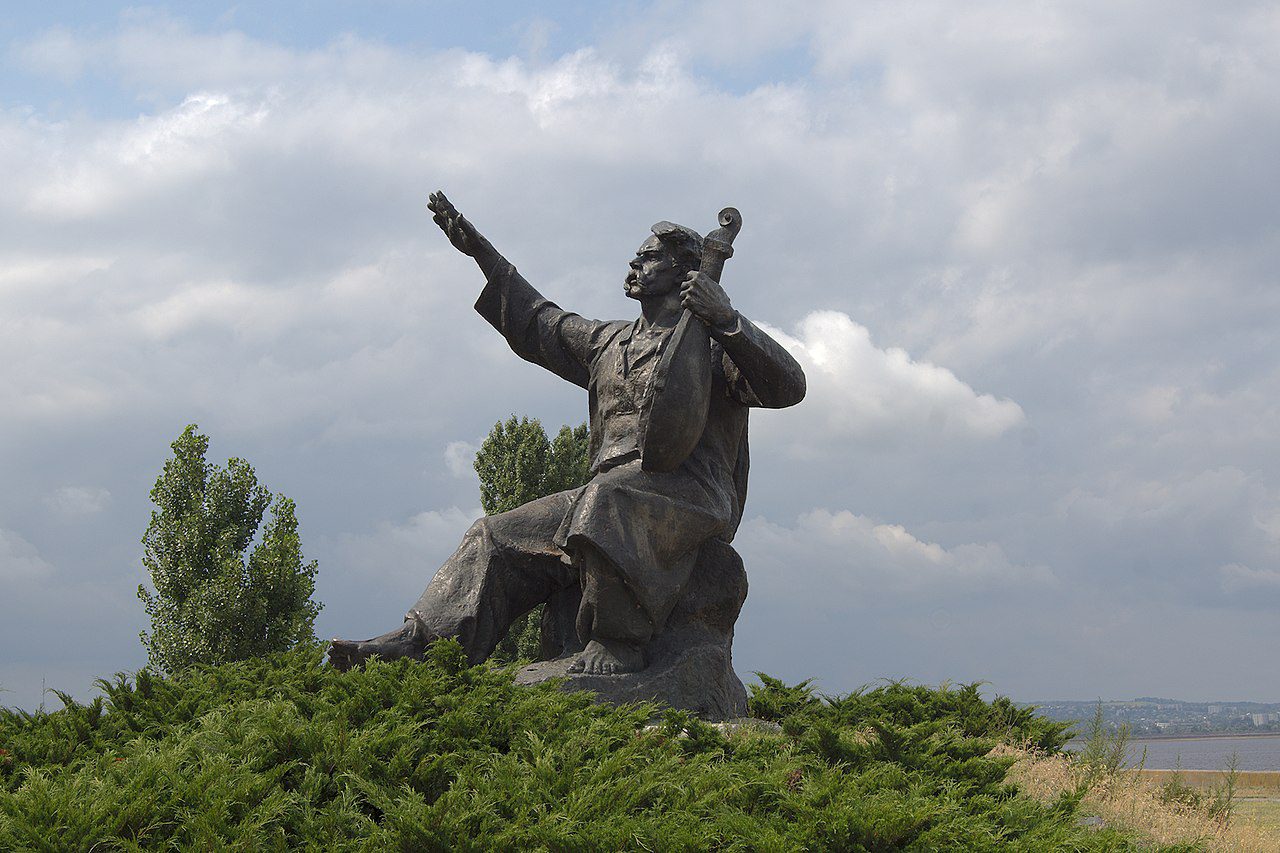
[685, 239]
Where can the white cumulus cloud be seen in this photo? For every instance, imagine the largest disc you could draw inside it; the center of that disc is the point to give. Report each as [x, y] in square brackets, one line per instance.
[78, 500]
[859, 391]
[1236, 578]
[842, 550]
[459, 458]
[408, 551]
[19, 559]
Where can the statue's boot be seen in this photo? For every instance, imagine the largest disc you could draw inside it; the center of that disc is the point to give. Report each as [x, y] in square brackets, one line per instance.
[410, 640]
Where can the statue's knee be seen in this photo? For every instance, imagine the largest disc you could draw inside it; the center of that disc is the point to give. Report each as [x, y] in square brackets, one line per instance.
[478, 530]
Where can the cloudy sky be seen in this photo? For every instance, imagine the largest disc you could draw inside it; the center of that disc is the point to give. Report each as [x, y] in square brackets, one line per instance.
[1026, 252]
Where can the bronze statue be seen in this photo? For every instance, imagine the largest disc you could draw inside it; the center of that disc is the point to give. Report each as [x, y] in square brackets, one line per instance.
[619, 553]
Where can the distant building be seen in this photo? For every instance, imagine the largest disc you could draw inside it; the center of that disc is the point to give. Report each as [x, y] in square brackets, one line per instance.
[1215, 710]
[1260, 719]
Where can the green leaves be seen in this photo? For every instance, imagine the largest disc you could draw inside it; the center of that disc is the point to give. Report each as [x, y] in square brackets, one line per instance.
[210, 603]
[517, 463]
[569, 460]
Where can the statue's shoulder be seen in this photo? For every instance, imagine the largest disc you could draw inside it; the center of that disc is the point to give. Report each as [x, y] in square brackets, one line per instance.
[608, 331]
[593, 337]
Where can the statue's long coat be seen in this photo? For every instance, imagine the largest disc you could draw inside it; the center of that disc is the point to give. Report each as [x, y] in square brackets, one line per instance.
[648, 524]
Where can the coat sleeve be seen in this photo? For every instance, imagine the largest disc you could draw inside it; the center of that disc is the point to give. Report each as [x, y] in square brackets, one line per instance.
[536, 328]
[758, 370]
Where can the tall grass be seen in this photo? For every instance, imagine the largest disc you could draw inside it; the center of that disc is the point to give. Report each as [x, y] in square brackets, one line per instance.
[1134, 803]
[1105, 753]
[283, 753]
[1104, 783]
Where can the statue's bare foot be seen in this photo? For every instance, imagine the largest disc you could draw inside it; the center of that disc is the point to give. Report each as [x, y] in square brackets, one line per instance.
[410, 640]
[609, 657]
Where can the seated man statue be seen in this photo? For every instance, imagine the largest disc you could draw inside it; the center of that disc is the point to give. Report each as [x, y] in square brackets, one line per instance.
[630, 538]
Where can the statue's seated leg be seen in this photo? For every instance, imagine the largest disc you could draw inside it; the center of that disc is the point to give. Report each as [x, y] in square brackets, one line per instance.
[689, 658]
[610, 619]
[713, 597]
[505, 566]
[633, 535]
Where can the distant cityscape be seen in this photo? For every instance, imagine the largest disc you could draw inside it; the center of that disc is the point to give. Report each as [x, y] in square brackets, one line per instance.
[1151, 715]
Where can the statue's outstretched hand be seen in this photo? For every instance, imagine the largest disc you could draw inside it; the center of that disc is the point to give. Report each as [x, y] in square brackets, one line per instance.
[461, 233]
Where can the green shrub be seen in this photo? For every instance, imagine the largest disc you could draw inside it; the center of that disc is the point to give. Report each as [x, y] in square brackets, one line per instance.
[282, 752]
[898, 703]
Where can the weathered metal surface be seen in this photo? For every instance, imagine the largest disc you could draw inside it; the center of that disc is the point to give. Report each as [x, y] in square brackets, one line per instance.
[675, 412]
[650, 587]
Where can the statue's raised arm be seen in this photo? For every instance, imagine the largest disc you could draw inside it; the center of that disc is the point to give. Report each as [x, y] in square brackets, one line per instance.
[535, 327]
[461, 233]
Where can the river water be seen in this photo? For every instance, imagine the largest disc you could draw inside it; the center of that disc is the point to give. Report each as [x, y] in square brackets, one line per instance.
[1204, 753]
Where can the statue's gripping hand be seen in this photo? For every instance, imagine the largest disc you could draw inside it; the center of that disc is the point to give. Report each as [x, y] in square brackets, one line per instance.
[704, 296]
[461, 233]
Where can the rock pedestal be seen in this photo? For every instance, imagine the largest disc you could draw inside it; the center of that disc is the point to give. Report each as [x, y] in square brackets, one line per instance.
[690, 662]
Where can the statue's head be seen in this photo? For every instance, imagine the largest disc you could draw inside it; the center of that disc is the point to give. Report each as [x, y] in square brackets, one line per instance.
[663, 260]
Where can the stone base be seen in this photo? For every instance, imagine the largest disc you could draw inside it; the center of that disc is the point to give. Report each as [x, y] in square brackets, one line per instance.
[698, 679]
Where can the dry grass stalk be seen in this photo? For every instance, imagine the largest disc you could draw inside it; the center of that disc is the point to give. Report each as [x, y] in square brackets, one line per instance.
[1129, 801]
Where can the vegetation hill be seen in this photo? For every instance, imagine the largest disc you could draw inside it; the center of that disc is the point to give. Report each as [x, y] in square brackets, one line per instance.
[281, 752]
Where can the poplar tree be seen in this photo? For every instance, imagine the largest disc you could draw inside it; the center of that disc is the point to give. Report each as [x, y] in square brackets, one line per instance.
[215, 600]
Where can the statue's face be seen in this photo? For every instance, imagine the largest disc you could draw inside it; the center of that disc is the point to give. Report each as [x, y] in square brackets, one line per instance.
[653, 273]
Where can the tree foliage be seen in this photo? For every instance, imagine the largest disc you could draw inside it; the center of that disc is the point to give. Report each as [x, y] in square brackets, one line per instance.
[210, 603]
[517, 463]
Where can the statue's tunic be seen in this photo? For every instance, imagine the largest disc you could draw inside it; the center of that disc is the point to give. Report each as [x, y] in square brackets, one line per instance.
[649, 525]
